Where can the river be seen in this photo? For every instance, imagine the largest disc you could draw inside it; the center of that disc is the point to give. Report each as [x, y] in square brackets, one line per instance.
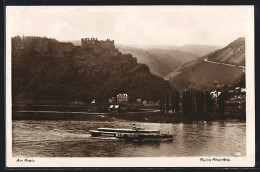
[38, 138]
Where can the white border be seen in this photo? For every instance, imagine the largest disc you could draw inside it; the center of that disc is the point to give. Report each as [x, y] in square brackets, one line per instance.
[248, 161]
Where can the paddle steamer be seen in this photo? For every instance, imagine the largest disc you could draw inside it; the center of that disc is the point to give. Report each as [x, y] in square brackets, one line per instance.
[131, 134]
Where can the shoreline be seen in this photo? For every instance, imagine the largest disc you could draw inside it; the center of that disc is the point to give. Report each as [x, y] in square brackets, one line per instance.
[146, 116]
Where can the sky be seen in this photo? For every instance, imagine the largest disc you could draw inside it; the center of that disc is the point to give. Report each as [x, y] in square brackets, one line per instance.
[133, 25]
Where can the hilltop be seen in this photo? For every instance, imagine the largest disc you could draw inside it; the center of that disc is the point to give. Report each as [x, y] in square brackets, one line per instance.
[46, 69]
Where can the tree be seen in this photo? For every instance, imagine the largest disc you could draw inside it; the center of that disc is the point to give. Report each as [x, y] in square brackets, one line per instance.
[162, 104]
[208, 103]
[193, 95]
[167, 103]
[187, 103]
[184, 102]
[200, 104]
[177, 102]
[173, 102]
[221, 104]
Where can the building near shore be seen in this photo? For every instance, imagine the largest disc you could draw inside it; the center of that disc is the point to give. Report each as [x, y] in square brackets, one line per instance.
[122, 98]
[139, 100]
[114, 108]
[112, 100]
[215, 94]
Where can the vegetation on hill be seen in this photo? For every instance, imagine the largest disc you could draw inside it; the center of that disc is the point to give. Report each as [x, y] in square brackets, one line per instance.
[73, 74]
[239, 82]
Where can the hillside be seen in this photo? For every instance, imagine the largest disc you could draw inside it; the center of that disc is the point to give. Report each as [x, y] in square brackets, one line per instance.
[234, 53]
[45, 69]
[160, 61]
[218, 68]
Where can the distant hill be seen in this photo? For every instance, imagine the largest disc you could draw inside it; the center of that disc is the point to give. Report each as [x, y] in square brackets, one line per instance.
[199, 50]
[218, 68]
[159, 61]
[45, 69]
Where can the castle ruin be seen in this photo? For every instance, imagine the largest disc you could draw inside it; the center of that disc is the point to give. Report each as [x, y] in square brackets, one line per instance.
[95, 43]
[44, 45]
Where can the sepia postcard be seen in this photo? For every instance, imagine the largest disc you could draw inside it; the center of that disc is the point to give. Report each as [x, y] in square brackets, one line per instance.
[130, 86]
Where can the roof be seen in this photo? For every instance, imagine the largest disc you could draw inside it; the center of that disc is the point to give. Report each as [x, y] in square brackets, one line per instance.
[114, 106]
[122, 94]
[215, 93]
[243, 90]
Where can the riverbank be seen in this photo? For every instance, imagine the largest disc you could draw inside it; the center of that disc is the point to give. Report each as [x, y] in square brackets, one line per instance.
[146, 116]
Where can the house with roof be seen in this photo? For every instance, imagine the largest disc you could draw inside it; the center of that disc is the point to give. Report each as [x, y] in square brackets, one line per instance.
[117, 108]
[112, 100]
[139, 100]
[122, 98]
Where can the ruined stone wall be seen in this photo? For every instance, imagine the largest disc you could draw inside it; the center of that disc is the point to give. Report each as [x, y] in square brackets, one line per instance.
[41, 44]
[95, 43]
[37, 43]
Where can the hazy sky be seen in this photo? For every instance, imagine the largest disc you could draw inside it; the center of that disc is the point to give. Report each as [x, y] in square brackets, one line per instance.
[146, 25]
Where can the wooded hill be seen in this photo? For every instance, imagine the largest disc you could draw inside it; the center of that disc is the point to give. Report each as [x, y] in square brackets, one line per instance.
[69, 73]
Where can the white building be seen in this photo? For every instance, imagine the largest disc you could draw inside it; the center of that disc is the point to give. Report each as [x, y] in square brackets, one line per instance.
[139, 100]
[122, 98]
[114, 108]
[215, 94]
[243, 90]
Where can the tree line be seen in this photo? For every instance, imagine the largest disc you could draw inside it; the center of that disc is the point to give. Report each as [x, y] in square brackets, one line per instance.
[193, 104]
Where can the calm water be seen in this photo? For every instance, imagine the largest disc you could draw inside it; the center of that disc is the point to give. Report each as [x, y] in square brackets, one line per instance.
[72, 139]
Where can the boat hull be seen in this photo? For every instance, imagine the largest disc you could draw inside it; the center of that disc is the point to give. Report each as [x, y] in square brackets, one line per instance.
[144, 136]
[96, 133]
[130, 134]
